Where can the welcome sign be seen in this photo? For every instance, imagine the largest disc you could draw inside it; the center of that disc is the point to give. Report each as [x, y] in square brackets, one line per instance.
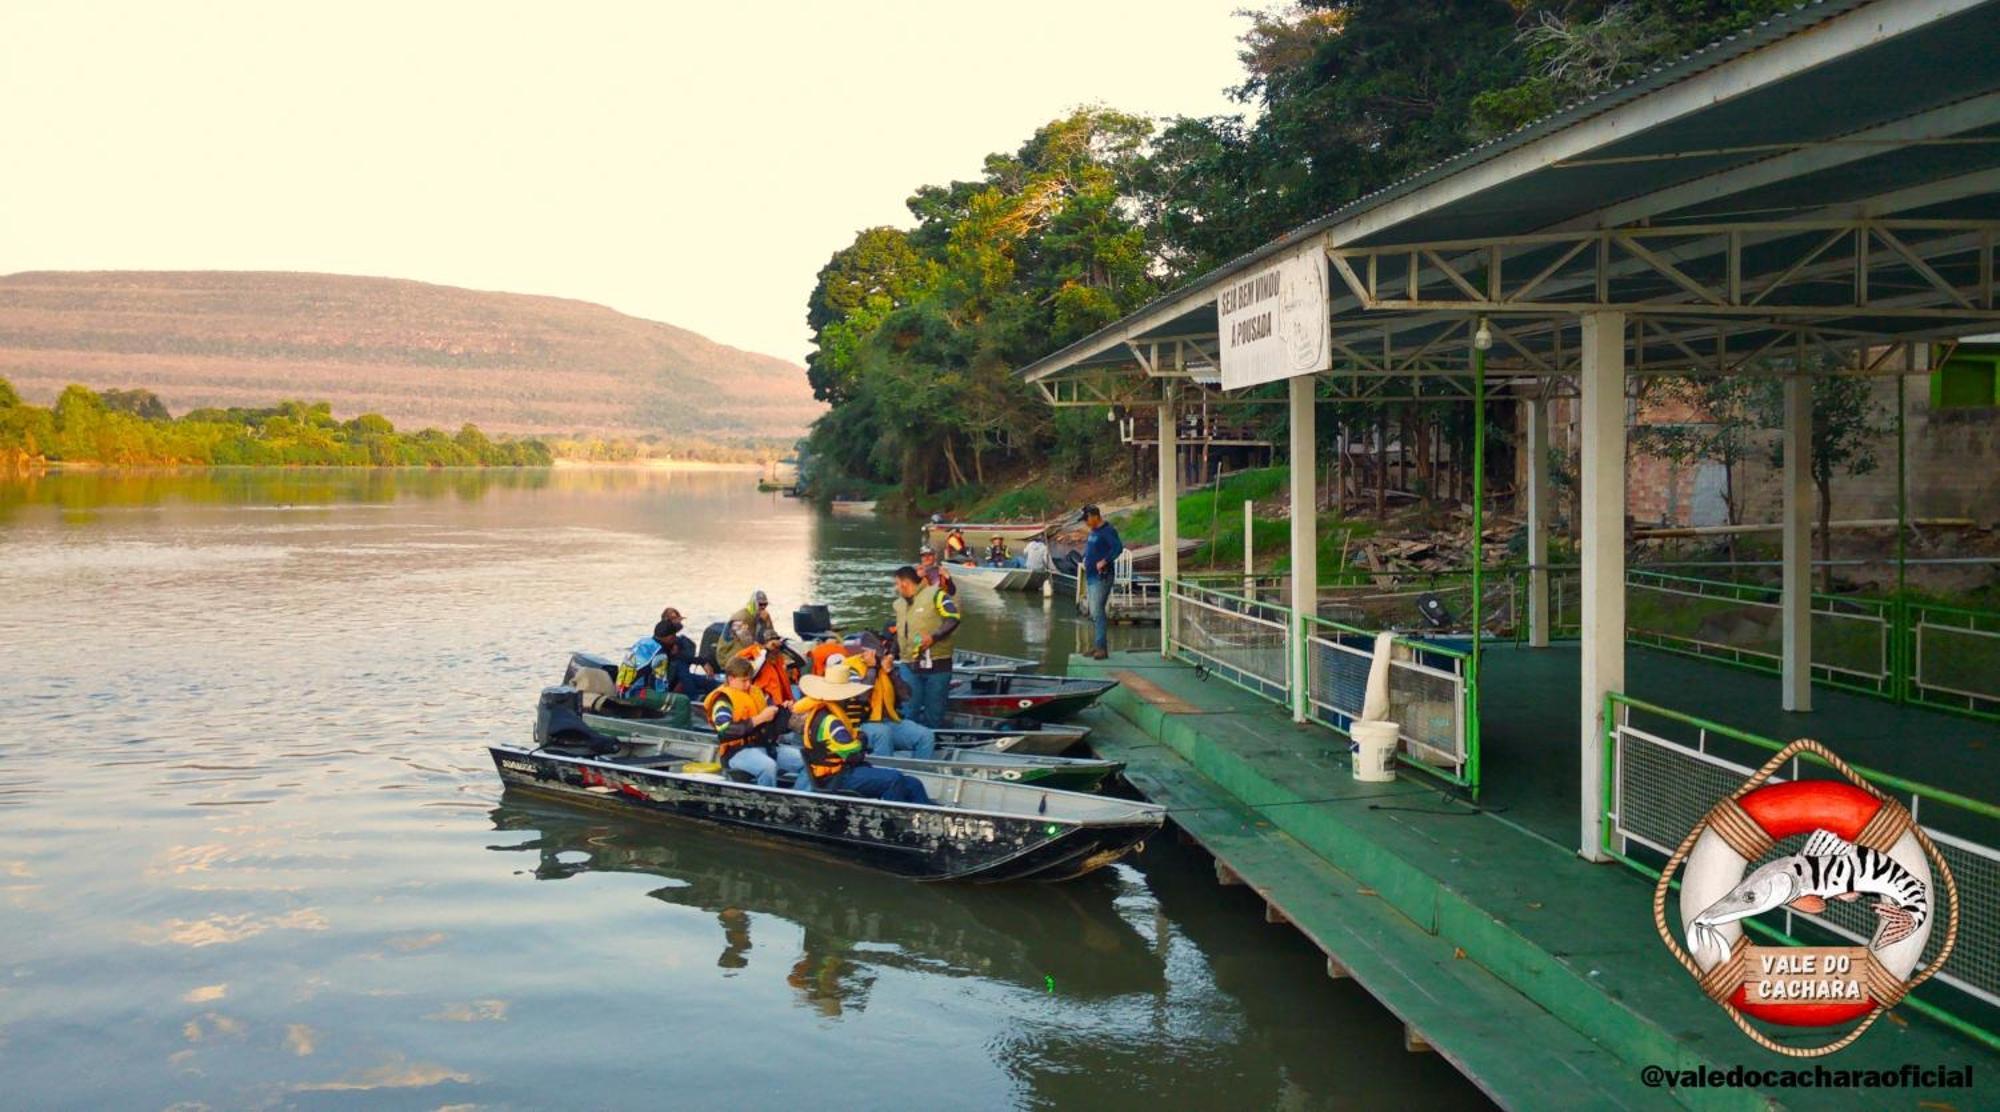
[1273, 322]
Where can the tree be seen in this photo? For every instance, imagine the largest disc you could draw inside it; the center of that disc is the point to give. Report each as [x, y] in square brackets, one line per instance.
[1847, 423]
[143, 404]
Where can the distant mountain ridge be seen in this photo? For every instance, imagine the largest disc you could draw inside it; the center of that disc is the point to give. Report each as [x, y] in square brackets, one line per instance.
[418, 354]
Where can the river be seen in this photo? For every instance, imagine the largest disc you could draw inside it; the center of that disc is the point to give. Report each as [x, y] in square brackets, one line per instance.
[253, 852]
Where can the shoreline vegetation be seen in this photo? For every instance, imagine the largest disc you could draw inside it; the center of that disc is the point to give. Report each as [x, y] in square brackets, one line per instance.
[87, 429]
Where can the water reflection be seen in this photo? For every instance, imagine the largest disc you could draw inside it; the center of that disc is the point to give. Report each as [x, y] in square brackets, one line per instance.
[854, 921]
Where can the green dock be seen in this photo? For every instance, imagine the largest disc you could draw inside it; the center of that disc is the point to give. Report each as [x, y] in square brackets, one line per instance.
[1537, 974]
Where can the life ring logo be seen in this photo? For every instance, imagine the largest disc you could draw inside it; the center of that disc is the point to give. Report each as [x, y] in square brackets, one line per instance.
[1807, 845]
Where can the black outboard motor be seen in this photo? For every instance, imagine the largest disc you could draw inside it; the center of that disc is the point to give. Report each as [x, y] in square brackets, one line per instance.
[812, 620]
[710, 639]
[559, 724]
[580, 661]
[1434, 612]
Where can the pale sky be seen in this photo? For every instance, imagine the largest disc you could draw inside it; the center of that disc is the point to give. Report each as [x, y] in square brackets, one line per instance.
[692, 163]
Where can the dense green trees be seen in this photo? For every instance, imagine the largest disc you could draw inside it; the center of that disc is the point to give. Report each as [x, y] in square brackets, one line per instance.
[133, 428]
[916, 332]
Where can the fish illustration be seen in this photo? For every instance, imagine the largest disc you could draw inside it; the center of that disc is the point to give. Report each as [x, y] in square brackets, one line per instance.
[1827, 867]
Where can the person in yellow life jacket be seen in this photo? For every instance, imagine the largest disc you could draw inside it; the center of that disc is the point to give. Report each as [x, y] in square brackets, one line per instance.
[880, 712]
[955, 548]
[748, 728]
[835, 753]
[926, 618]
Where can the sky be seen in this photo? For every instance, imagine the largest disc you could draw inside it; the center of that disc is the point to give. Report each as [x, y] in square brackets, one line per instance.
[692, 163]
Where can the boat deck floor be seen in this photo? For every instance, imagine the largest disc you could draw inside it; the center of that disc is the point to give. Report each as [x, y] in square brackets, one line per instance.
[1388, 877]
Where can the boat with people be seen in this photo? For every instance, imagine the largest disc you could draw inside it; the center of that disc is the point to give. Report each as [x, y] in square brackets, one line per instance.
[1080, 774]
[1023, 695]
[980, 830]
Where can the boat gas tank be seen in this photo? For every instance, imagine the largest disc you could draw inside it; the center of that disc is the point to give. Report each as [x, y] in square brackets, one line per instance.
[559, 723]
[812, 620]
[580, 661]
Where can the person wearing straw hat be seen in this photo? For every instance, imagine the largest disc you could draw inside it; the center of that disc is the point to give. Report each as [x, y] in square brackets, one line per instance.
[836, 756]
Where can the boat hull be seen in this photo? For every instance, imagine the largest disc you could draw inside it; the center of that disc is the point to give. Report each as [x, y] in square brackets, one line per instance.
[1024, 695]
[999, 579]
[922, 843]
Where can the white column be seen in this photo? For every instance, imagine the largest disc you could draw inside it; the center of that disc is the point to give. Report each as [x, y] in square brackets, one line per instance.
[1538, 522]
[1305, 534]
[1795, 675]
[1170, 518]
[1601, 510]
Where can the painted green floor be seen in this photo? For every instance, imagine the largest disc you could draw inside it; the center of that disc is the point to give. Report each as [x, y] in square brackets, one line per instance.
[1574, 938]
[1530, 703]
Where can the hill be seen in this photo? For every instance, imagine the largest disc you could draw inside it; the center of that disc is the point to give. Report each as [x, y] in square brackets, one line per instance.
[416, 353]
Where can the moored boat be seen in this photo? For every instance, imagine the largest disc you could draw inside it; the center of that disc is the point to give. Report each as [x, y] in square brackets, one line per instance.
[1068, 773]
[984, 831]
[998, 578]
[972, 660]
[1024, 695]
[1010, 735]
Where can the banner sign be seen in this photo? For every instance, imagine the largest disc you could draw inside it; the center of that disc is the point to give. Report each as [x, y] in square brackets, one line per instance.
[1273, 322]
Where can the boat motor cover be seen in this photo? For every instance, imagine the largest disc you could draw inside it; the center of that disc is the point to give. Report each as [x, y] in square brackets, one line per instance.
[710, 638]
[578, 662]
[559, 723]
[812, 620]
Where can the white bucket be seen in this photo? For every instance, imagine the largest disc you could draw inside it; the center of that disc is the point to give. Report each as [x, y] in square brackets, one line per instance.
[1374, 750]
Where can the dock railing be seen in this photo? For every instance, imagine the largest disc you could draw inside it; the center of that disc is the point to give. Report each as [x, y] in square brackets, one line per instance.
[1241, 640]
[1664, 770]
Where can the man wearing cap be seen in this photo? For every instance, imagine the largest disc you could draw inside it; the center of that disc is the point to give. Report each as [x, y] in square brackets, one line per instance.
[681, 675]
[926, 618]
[755, 618]
[1100, 563]
[835, 755]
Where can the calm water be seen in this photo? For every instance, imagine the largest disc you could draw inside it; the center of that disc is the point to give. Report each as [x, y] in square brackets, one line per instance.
[252, 851]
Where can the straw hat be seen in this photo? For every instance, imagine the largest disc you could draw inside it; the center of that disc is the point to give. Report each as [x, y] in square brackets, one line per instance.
[837, 686]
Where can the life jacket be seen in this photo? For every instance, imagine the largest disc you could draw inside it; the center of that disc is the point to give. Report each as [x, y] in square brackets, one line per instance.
[743, 706]
[770, 677]
[825, 755]
[823, 652]
[882, 700]
[919, 616]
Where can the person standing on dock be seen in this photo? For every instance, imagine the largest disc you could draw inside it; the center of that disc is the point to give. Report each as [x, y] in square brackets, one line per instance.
[926, 618]
[1100, 563]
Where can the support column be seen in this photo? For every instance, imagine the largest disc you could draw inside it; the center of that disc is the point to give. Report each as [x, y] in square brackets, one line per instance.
[1305, 534]
[1601, 514]
[1795, 674]
[1170, 518]
[1538, 522]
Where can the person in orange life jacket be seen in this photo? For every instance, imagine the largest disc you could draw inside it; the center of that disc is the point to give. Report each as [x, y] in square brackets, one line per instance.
[769, 671]
[835, 755]
[926, 618]
[748, 728]
[880, 712]
[955, 548]
[933, 572]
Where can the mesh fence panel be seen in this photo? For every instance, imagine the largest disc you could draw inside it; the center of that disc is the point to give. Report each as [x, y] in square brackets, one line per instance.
[1662, 789]
[1427, 706]
[1234, 639]
[1337, 678]
[1955, 658]
[1427, 702]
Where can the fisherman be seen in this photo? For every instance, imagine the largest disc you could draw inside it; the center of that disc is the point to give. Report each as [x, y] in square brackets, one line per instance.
[955, 548]
[1035, 554]
[834, 751]
[882, 722]
[756, 620]
[934, 572]
[997, 555]
[1100, 563]
[926, 617]
[769, 670]
[748, 728]
[684, 674]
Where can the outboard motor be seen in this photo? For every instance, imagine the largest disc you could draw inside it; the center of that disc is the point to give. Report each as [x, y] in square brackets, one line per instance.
[710, 639]
[559, 724]
[580, 661]
[1434, 612]
[812, 620]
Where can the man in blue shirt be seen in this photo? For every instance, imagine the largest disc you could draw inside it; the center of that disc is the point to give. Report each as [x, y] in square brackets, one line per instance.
[1100, 564]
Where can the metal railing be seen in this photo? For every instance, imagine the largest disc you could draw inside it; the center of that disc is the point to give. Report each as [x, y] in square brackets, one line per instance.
[1951, 658]
[1241, 640]
[1742, 623]
[1431, 698]
[1664, 770]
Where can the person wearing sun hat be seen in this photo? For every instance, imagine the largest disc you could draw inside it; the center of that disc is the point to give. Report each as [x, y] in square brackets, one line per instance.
[836, 756]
